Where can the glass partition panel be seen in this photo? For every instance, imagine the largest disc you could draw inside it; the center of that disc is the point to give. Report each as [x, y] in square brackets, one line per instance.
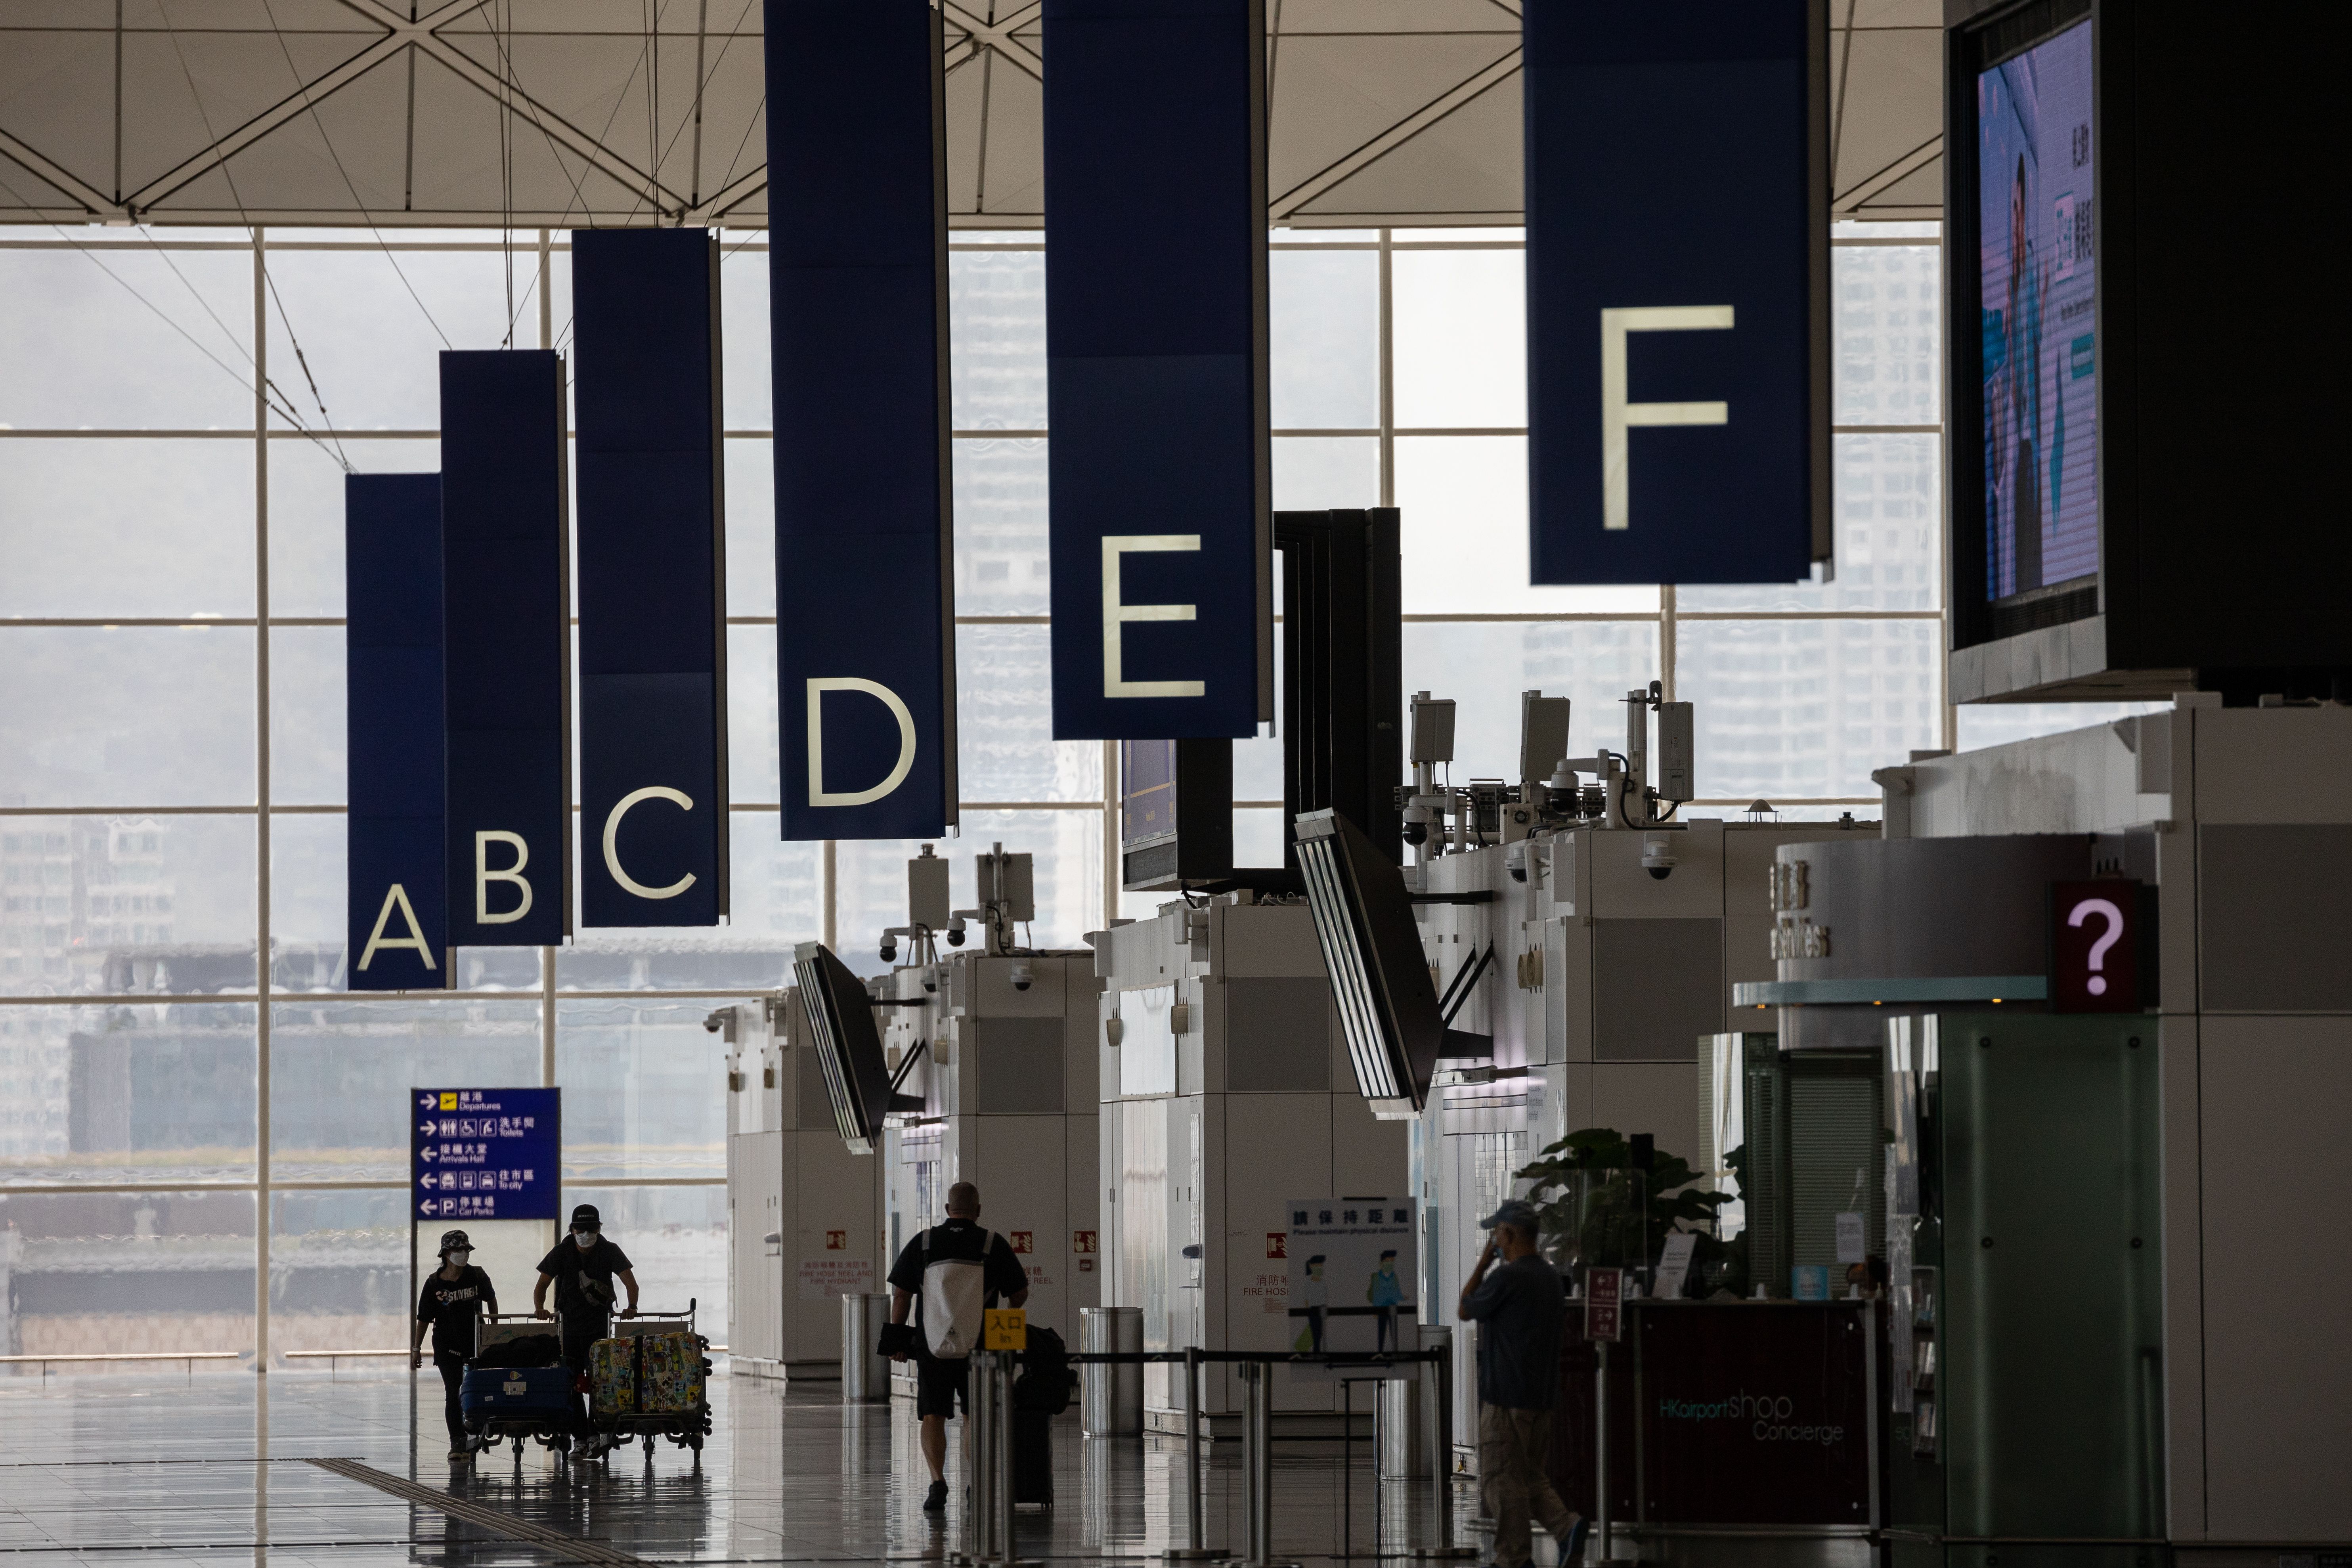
[91, 528]
[138, 1092]
[127, 716]
[644, 1088]
[341, 1072]
[113, 904]
[149, 1273]
[1808, 708]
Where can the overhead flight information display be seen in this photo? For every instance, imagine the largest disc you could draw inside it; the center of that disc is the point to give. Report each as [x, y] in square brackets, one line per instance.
[2039, 278]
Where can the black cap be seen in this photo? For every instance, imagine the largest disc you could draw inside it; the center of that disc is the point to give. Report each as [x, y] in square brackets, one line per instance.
[585, 1218]
[451, 1240]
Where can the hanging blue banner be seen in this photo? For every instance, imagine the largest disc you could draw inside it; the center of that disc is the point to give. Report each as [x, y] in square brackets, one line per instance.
[857, 278]
[653, 577]
[486, 1154]
[505, 648]
[397, 933]
[1678, 369]
[1162, 526]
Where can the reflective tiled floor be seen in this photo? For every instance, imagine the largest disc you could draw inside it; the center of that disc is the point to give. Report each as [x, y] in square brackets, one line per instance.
[125, 1471]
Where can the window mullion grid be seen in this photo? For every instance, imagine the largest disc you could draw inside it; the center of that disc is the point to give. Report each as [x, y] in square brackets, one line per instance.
[261, 950]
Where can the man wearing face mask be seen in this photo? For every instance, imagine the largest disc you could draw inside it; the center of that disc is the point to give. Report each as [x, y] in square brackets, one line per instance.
[455, 1295]
[582, 1268]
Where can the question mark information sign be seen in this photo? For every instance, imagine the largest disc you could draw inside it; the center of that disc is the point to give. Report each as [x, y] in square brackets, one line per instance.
[2094, 947]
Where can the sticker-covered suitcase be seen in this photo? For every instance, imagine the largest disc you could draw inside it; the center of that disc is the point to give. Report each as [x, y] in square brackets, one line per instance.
[670, 1371]
[613, 1377]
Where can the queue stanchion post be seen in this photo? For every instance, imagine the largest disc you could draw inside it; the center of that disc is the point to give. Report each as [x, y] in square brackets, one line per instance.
[1440, 1464]
[1195, 1525]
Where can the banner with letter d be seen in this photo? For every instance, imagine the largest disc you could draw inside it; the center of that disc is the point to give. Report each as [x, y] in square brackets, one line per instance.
[858, 260]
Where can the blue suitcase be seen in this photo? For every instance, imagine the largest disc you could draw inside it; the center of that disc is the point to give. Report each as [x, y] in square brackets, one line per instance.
[518, 1397]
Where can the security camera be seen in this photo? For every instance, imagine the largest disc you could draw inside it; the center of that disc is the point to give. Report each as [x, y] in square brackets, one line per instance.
[1416, 833]
[1657, 858]
[1515, 860]
[715, 1021]
[1021, 977]
[955, 932]
[889, 951]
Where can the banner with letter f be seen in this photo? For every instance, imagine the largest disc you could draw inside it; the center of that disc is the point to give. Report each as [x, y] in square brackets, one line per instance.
[857, 278]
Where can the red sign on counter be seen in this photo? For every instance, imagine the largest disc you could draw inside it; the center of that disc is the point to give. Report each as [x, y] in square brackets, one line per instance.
[1603, 1293]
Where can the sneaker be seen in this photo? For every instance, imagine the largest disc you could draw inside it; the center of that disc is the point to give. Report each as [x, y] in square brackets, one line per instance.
[1573, 1547]
[936, 1499]
[461, 1453]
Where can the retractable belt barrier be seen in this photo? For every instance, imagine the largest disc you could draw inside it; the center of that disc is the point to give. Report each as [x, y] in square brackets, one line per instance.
[990, 1526]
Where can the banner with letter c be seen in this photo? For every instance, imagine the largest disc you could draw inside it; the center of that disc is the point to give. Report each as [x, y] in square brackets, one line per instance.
[857, 279]
[652, 573]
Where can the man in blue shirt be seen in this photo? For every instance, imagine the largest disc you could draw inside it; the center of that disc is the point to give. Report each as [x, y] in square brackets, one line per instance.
[1522, 1312]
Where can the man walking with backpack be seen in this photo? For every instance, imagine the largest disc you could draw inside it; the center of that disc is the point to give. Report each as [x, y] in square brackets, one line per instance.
[950, 1274]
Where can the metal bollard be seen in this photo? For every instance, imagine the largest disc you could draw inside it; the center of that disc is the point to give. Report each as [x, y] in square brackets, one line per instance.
[1000, 1376]
[1440, 1464]
[1257, 1460]
[980, 1417]
[1195, 1525]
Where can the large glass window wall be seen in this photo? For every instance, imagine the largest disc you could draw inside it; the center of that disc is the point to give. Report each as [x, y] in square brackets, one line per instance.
[194, 1158]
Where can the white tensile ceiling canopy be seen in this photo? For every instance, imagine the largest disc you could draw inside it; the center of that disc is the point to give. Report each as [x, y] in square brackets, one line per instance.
[560, 113]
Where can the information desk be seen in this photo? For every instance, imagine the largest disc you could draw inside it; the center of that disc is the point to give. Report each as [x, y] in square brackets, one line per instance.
[1732, 1425]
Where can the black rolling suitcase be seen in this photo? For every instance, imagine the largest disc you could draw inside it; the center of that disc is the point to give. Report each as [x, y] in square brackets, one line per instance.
[1032, 1459]
[1041, 1392]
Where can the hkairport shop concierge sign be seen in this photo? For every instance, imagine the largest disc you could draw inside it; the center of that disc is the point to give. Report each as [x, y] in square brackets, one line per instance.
[485, 1154]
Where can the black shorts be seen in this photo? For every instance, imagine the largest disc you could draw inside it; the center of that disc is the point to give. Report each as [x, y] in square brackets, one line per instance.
[940, 1383]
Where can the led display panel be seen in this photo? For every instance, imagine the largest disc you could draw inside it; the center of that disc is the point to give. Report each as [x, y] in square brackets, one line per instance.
[848, 1046]
[2037, 274]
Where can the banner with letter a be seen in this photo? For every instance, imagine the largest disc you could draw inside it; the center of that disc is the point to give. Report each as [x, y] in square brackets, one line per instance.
[1162, 527]
[653, 579]
[857, 279]
[506, 647]
[1679, 347]
[398, 931]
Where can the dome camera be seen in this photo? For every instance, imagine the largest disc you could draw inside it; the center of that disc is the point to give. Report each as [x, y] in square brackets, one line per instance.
[1416, 833]
[1657, 858]
[955, 932]
[889, 951]
[1021, 977]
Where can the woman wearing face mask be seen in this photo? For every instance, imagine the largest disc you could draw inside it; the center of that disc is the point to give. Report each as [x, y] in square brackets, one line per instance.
[582, 1268]
[455, 1294]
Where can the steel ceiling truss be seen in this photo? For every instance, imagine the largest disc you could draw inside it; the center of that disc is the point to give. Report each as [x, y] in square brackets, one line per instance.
[1386, 110]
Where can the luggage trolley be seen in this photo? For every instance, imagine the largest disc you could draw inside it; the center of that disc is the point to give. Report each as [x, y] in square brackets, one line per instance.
[500, 1403]
[638, 1391]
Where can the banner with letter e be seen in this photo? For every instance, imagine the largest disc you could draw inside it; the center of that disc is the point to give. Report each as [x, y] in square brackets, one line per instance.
[653, 578]
[398, 933]
[1159, 460]
[505, 647]
[1678, 331]
[858, 280]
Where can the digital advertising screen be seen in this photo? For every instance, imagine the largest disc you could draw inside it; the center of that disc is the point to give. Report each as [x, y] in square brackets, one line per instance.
[2040, 280]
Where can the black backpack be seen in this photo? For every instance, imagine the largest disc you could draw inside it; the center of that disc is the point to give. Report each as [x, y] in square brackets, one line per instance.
[1045, 1381]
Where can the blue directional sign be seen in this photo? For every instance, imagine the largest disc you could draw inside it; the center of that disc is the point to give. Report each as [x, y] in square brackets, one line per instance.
[485, 1154]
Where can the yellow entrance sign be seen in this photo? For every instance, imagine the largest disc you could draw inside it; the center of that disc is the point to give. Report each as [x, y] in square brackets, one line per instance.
[1004, 1329]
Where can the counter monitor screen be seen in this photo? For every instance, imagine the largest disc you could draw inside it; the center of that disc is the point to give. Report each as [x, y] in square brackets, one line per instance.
[2038, 276]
